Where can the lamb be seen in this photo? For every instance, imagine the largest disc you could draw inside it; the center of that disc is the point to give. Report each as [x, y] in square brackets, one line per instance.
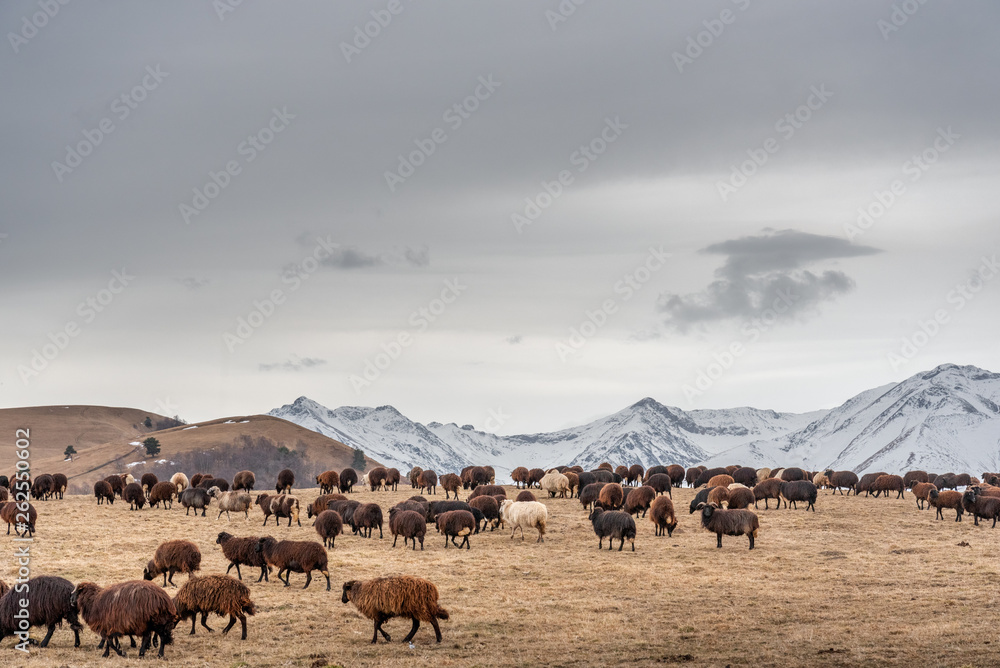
[162, 492]
[535, 476]
[244, 480]
[328, 481]
[382, 599]
[888, 483]
[719, 496]
[173, 556]
[195, 498]
[450, 483]
[946, 499]
[128, 608]
[987, 507]
[242, 551]
[521, 514]
[48, 599]
[487, 490]
[660, 482]
[519, 475]
[14, 513]
[237, 502]
[613, 524]
[321, 504]
[556, 483]
[611, 497]
[220, 594]
[724, 480]
[661, 514]
[525, 495]
[414, 476]
[147, 481]
[590, 494]
[921, 491]
[284, 505]
[409, 524]
[741, 497]
[640, 499]
[769, 488]
[428, 480]
[838, 479]
[285, 481]
[59, 484]
[454, 524]
[376, 477]
[799, 490]
[134, 495]
[103, 492]
[729, 522]
[365, 518]
[180, 481]
[295, 556]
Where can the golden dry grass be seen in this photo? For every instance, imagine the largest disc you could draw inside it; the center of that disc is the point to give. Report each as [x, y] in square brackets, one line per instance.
[860, 582]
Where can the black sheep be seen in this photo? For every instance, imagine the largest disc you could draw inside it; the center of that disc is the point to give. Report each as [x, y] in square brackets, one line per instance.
[730, 523]
[799, 490]
[613, 524]
[48, 605]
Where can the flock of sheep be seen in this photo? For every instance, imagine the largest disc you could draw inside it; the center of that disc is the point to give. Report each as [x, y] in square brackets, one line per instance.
[613, 497]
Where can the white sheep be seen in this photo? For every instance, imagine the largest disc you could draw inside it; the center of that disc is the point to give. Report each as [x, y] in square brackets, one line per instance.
[180, 481]
[763, 474]
[736, 485]
[821, 480]
[521, 514]
[231, 501]
[555, 483]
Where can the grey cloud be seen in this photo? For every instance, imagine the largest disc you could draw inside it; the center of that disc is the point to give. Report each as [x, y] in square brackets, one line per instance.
[294, 364]
[194, 282]
[514, 340]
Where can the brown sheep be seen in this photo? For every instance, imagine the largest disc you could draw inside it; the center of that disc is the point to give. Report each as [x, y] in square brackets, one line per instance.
[454, 524]
[622, 471]
[574, 483]
[718, 496]
[117, 484]
[220, 594]
[198, 477]
[242, 551]
[128, 608]
[525, 495]
[741, 497]
[487, 490]
[611, 497]
[591, 493]
[376, 477]
[295, 556]
[414, 476]
[888, 483]
[660, 482]
[59, 484]
[730, 523]
[173, 556]
[284, 505]
[428, 480]
[535, 477]
[661, 514]
[328, 481]
[639, 499]
[921, 491]
[366, 517]
[606, 466]
[519, 476]
[382, 599]
[769, 488]
[244, 480]
[103, 492]
[23, 521]
[635, 473]
[450, 483]
[286, 479]
[409, 524]
[946, 499]
[721, 481]
[134, 495]
[392, 479]
[162, 492]
[321, 503]
[489, 507]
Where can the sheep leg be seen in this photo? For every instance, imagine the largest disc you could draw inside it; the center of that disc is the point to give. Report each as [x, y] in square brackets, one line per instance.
[45, 640]
[204, 620]
[309, 578]
[327, 574]
[600, 542]
[145, 643]
[380, 532]
[394, 541]
[287, 577]
[413, 630]
[220, 515]
[620, 546]
[719, 540]
[751, 540]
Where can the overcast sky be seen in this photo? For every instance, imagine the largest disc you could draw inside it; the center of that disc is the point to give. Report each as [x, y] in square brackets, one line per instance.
[494, 208]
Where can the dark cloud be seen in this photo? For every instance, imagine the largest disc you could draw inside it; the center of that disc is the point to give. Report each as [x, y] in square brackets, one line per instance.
[514, 340]
[194, 282]
[765, 271]
[294, 364]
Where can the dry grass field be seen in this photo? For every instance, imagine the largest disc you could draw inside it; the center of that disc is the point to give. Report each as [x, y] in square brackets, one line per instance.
[860, 582]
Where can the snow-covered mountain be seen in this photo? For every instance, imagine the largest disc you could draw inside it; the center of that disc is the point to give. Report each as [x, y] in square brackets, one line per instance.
[646, 432]
[945, 419]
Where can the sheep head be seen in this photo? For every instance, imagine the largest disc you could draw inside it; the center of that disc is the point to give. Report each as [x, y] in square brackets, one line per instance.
[348, 586]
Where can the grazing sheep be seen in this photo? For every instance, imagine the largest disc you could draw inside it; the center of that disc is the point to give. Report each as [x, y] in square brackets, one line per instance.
[574, 483]
[103, 492]
[322, 503]
[456, 524]
[660, 482]
[414, 476]
[173, 556]
[520, 476]
[692, 475]
[244, 480]
[117, 485]
[987, 507]
[285, 481]
[285, 505]
[295, 556]
[13, 513]
[237, 502]
[676, 474]
[220, 594]
[410, 524]
[746, 476]
[584, 479]
[724, 480]
[128, 608]
[611, 497]
[799, 490]
[718, 496]
[708, 474]
[913, 477]
[48, 600]
[769, 488]
[382, 599]
[865, 483]
[345, 508]
[763, 474]
[196, 498]
[888, 483]
[376, 477]
[415, 506]
[842, 479]
[741, 497]
[42, 487]
[392, 478]
[556, 483]
[147, 481]
[921, 491]
[365, 518]
[821, 480]
[636, 472]
[661, 514]
[436, 508]
[793, 474]
[162, 492]
[640, 499]
[946, 499]
[603, 475]
[328, 481]
[489, 507]
[208, 483]
[242, 551]
[450, 483]
[699, 498]
[535, 476]
[180, 481]
[590, 494]
[729, 522]
[59, 484]
[428, 481]
[329, 524]
[521, 514]
[134, 495]
[525, 495]
[613, 524]
[487, 490]
[197, 478]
